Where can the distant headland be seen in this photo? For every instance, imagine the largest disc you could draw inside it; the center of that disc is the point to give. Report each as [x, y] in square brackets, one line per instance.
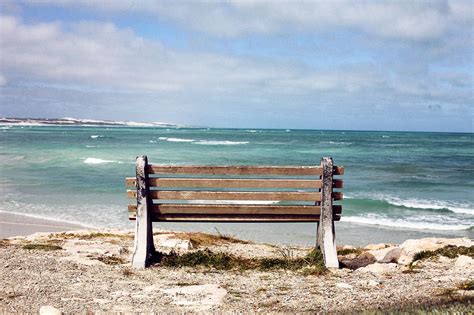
[68, 121]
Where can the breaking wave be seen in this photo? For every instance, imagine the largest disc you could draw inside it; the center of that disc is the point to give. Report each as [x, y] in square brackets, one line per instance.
[405, 223]
[210, 142]
[99, 161]
[176, 139]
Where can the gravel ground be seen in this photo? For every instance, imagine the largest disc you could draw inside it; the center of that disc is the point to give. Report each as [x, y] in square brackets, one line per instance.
[90, 273]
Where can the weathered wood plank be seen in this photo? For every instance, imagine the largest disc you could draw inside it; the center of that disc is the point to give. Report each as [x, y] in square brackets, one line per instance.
[235, 170]
[233, 183]
[337, 195]
[213, 209]
[237, 195]
[242, 219]
[338, 170]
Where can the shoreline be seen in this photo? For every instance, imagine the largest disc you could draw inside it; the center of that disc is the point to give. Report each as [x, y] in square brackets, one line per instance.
[14, 224]
[297, 234]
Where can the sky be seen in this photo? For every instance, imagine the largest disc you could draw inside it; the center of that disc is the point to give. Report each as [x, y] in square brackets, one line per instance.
[346, 65]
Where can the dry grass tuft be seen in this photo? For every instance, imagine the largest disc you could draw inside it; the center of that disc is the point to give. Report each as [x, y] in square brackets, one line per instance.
[224, 261]
[44, 247]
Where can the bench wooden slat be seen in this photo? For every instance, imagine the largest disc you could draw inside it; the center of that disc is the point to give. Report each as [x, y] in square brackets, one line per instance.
[199, 207]
[237, 218]
[241, 170]
[236, 209]
[234, 195]
[235, 170]
[234, 213]
[233, 183]
[229, 195]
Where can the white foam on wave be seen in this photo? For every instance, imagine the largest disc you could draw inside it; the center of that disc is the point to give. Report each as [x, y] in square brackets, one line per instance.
[99, 161]
[339, 142]
[430, 204]
[96, 136]
[211, 142]
[176, 139]
[407, 224]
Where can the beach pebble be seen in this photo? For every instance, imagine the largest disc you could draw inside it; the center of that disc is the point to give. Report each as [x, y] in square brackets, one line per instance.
[378, 268]
[464, 262]
[343, 285]
[49, 310]
[373, 283]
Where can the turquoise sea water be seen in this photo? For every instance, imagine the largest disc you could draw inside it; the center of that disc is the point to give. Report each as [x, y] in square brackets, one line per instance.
[397, 184]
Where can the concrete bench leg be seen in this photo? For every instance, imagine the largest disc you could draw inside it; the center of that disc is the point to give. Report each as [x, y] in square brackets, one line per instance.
[326, 233]
[143, 245]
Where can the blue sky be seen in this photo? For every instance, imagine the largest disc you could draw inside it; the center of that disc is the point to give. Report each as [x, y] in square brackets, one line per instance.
[363, 65]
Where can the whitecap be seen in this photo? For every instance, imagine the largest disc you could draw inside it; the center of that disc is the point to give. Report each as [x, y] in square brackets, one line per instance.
[407, 224]
[430, 204]
[96, 136]
[99, 161]
[176, 139]
[210, 142]
[339, 142]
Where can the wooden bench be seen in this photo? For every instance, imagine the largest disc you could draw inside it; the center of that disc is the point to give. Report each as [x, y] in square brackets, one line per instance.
[196, 193]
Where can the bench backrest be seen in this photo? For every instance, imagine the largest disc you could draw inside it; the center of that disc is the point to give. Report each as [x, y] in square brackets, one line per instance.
[235, 193]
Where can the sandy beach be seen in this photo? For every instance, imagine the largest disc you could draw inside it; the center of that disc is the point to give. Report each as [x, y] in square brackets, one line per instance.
[89, 271]
[19, 225]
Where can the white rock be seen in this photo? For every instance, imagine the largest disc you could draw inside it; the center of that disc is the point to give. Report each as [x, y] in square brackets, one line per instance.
[168, 240]
[411, 247]
[49, 310]
[375, 246]
[378, 268]
[464, 262]
[343, 285]
[379, 254]
[373, 283]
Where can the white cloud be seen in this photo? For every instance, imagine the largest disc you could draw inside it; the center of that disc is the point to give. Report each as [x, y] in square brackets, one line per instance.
[3, 80]
[104, 56]
[414, 20]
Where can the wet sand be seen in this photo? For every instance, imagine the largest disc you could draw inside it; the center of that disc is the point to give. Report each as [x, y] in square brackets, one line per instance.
[20, 225]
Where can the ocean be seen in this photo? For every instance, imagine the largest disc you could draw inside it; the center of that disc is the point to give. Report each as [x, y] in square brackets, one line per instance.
[397, 185]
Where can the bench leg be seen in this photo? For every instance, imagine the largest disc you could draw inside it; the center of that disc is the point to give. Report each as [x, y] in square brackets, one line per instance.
[326, 243]
[143, 245]
[326, 233]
